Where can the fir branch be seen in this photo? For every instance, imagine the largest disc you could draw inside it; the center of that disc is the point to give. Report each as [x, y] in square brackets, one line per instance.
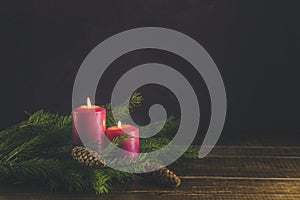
[102, 179]
[134, 102]
[76, 179]
[29, 170]
[38, 150]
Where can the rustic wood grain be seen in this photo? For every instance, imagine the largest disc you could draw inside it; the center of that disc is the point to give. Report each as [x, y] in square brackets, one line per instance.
[228, 172]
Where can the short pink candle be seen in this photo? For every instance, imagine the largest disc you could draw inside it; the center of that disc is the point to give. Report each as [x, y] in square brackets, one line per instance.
[90, 121]
[132, 143]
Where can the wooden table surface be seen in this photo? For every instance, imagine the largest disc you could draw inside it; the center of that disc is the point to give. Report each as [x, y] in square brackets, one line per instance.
[228, 172]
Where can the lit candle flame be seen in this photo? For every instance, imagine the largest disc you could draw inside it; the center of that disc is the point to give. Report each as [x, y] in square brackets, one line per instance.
[88, 102]
[119, 124]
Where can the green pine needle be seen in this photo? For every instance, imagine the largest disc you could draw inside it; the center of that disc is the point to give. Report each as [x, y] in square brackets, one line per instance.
[38, 150]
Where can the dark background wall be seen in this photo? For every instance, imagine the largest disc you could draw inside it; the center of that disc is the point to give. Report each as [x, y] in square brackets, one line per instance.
[255, 44]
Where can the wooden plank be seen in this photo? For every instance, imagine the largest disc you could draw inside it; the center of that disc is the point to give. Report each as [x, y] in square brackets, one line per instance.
[244, 161]
[204, 188]
[274, 139]
[143, 196]
[228, 172]
[207, 185]
[280, 152]
[240, 167]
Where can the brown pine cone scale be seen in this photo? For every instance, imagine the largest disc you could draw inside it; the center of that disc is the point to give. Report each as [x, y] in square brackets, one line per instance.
[88, 157]
[163, 176]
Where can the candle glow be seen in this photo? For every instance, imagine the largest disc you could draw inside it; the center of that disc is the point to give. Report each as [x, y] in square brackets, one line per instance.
[119, 124]
[88, 102]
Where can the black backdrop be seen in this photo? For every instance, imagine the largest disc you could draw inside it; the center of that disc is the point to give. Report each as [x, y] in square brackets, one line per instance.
[255, 44]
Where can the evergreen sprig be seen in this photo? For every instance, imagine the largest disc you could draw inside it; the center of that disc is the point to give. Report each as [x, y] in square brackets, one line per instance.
[38, 150]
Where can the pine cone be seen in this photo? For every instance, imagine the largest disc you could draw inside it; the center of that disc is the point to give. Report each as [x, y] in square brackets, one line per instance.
[88, 157]
[163, 176]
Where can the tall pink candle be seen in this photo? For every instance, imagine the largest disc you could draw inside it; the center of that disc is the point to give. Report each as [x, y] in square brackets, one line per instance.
[90, 121]
[132, 143]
